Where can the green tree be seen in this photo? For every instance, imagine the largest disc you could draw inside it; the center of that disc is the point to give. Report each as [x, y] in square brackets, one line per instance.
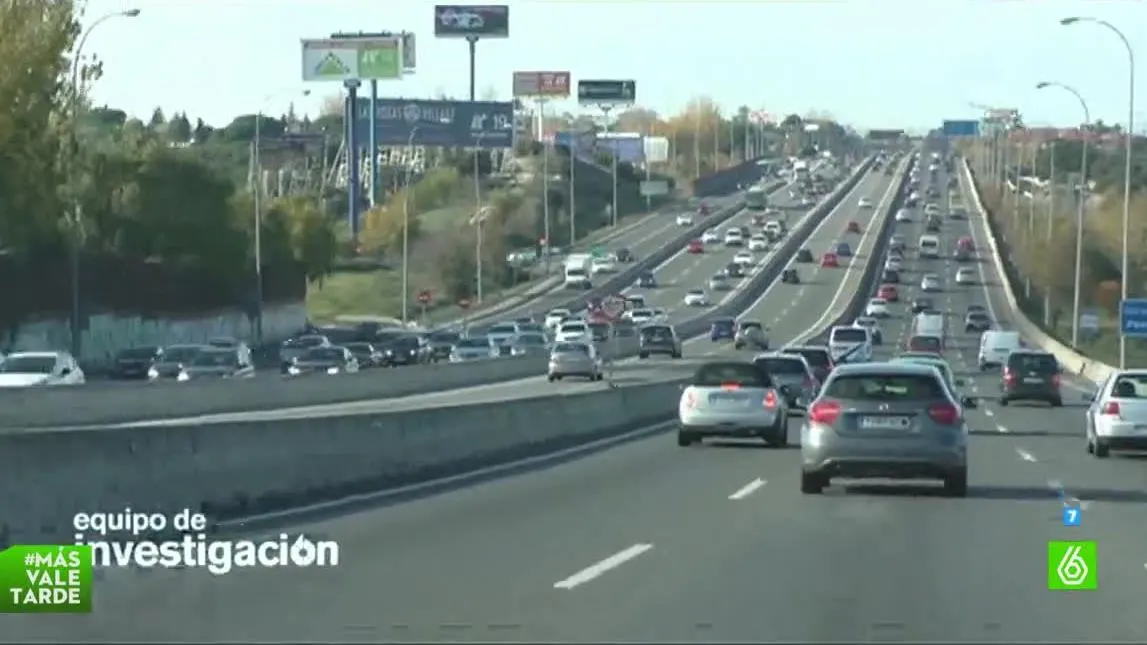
[179, 129]
[158, 120]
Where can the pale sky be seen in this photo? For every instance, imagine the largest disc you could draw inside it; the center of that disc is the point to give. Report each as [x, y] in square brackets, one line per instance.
[869, 63]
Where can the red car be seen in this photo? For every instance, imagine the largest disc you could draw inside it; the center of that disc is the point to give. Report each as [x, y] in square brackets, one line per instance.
[966, 243]
[853, 226]
[695, 246]
[829, 260]
[889, 292]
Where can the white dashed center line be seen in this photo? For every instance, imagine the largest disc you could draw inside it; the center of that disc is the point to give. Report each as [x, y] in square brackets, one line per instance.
[596, 570]
[747, 489]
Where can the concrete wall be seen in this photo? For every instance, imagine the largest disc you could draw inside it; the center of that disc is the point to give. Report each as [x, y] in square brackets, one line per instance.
[108, 333]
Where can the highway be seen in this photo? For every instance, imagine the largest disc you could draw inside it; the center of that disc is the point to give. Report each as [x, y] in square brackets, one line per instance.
[652, 542]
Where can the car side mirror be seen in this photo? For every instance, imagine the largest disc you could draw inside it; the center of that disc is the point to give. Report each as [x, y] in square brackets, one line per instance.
[65, 371]
[1093, 397]
[969, 402]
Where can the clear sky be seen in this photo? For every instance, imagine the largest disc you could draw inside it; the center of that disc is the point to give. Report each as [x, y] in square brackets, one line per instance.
[869, 63]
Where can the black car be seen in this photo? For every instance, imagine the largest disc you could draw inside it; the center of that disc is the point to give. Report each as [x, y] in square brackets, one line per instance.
[442, 343]
[409, 349]
[734, 270]
[135, 362]
[972, 309]
[1031, 375]
[977, 321]
[922, 304]
[624, 255]
[890, 276]
[324, 361]
[790, 276]
[171, 362]
[818, 358]
[367, 355]
[805, 255]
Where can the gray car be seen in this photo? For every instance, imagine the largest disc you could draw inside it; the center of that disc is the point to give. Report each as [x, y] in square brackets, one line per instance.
[793, 372]
[294, 348]
[735, 400]
[574, 359]
[885, 421]
[659, 339]
[171, 362]
[216, 363]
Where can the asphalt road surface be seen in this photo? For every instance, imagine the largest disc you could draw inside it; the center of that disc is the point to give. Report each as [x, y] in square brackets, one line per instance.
[652, 542]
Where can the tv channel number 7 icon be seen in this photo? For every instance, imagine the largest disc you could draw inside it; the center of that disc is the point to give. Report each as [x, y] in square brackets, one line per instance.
[1072, 515]
[1072, 566]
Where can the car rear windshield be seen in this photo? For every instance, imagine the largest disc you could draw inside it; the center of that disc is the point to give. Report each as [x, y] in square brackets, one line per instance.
[849, 335]
[924, 344]
[740, 374]
[886, 387]
[778, 365]
[571, 348]
[600, 331]
[1130, 386]
[815, 357]
[1027, 362]
[656, 333]
[722, 324]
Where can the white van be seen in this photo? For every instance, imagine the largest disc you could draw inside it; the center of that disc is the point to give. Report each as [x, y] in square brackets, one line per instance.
[578, 268]
[929, 246]
[929, 323]
[843, 339]
[996, 345]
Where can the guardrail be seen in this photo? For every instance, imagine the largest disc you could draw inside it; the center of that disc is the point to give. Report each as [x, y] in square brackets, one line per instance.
[236, 469]
[1071, 360]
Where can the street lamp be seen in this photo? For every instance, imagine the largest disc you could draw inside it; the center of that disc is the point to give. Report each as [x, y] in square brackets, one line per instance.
[1127, 163]
[481, 213]
[257, 199]
[406, 227]
[1081, 206]
[77, 340]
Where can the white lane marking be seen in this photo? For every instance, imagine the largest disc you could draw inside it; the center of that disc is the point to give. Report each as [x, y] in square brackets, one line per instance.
[1026, 456]
[1002, 429]
[599, 568]
[989, 413]
[748, 489]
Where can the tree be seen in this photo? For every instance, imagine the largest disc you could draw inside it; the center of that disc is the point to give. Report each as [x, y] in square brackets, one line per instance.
[202, 132]
[179, 129]
[157, 120]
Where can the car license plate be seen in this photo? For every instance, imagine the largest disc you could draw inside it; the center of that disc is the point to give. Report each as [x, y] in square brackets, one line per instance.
[885, 423]
[1035, 380]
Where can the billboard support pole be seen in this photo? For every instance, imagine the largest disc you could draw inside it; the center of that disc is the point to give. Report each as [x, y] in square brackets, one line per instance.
[545, 183]
[606, 109]
[374, 178]
[352, 86]
[472, 41]
[573, 193]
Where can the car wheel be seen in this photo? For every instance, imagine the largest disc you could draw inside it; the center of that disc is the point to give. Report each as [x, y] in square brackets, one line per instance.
[779, 434]
[685, 439]
[812, 483]
[1004, 401]
[738, 345]
[1090, 446]
[643, 355]
[956, 485]
[677, 355]
[1102, 450]
[551, 378]
[1056, 403]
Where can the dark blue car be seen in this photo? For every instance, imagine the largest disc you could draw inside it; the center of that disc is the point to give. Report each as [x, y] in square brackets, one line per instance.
[843, 250]
[723, 329]
[646, 281]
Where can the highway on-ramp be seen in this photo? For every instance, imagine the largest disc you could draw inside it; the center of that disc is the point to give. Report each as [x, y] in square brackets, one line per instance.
[652, 542]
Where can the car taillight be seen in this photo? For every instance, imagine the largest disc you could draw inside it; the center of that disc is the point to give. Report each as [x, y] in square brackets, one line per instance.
[1009, 375]
[944, 413]
[1055, 380]
[770, 400]
[690, 399]
[825, 412]
[1111, 409]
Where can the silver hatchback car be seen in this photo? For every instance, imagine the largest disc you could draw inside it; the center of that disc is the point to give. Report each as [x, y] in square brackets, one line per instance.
[885, 421]
[734, 400]
[574, 359]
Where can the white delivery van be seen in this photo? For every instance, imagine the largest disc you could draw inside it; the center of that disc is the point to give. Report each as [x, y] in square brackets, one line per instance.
[929, 246]
[845, 339]
[995, 346]
[578, 268]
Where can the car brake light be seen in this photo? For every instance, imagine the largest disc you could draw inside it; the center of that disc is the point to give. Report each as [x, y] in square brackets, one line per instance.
[690, 399]
[944, 414]
[1009, 375]
[730, 386]
[770, 399]
[1111, 409]
[1055, 380]
[825, 412]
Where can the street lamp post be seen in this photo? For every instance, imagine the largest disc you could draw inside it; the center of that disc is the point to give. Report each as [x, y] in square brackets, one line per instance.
[406, 228]
[77, 214]
[480, 214]
[257, 205]
[1080, 207]
[1129, 130]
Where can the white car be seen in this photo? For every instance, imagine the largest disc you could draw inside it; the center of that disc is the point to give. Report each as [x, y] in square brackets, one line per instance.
[966, 275]
[555, 317]
[931, 209]
[639, 316]
[733, 237]
[903, 216]
[744, 258]
[573, 331]
[896, 243]
[876, 308]
[685, 219]
[774, 229]
[873, 326]
[696, 298]
[710, 236]
[1118, 413]
[659, 315]
[29, 369]
[758, 243]
[864, 202]
[894, 263]
[931, 282]
[605, 264]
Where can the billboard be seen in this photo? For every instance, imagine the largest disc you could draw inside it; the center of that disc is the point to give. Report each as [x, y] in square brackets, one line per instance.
[400, 122]
[471, 21]
[625, 146]
[542, 84]
[606, 92]
[656, 149]
[340, 59]
[961, 128]
[885, 135]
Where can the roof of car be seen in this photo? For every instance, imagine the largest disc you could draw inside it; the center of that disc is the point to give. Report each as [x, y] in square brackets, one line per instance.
[849, 369]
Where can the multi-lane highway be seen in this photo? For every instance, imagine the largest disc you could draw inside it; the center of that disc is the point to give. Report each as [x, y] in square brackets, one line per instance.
[648, 541]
